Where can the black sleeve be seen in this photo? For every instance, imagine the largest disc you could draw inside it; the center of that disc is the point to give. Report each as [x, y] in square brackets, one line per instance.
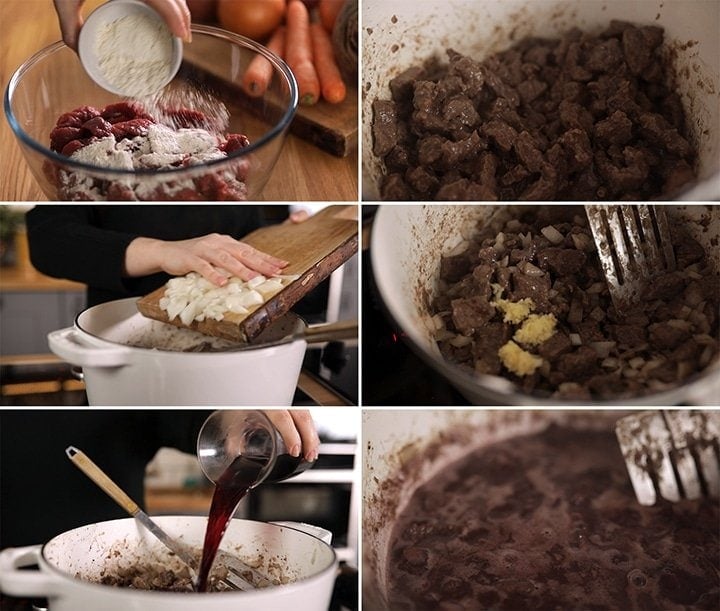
[65, 242]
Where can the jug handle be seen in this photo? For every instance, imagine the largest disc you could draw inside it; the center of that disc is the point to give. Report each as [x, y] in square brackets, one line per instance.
[16, 582]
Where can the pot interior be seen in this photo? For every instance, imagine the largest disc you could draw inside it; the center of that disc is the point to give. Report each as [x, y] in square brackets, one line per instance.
[408, 448]
[120, 322]
[409, 240]
[410, 33]
[283, 554]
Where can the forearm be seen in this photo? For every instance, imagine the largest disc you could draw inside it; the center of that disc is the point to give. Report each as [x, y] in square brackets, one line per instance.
[64, 243]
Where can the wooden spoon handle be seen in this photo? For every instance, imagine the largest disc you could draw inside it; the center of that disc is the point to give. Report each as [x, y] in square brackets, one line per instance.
[89, 468]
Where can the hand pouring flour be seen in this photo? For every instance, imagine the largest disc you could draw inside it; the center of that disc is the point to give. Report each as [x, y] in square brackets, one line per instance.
[127, 48]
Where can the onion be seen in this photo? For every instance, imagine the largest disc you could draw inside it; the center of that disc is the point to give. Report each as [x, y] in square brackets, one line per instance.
[457, 250]
[452, 242]
[610, 363]
[438, 322]
[596, 287]
[513, 225]
[706, 356]
[460, 340]
[694, 275]
[552, 234]
[529, 269]
[602, 348]
[192, 297]
[636, 362]
[630, 373]
[583, 242]
[575, 339]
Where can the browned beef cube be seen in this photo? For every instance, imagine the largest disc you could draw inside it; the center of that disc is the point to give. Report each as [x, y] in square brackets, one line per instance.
[471, 313]
[562, 261]
[454, 268]
[665, 286]
[667, 337]
[579, 364]
[384, 128]
[558, 344]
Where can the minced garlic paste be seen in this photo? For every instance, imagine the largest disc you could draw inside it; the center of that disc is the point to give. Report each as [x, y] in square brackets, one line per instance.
[536, 329]
[517, 360]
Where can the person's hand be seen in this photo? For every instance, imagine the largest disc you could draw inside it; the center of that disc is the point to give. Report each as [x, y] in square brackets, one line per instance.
[298, 431]
[206, 255]
[175, 13]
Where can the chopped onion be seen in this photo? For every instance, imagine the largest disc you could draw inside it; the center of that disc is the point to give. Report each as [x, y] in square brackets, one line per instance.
[602, 348]
[438, 322]
[677, 323]
[552, 234]
[458, 250]
[575, 339]
[193, 298]
[460, 340]
[636, 362]
[443, 334]
[610, 363]
[529, 269]
[694, 275]
[630, 373]
[583, 242]
[596, 287]
[706, 356]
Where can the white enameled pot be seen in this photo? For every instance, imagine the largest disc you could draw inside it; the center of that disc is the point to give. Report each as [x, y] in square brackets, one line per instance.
[406, 245]
[119, 374]
[398, 34]
[406, 448]
[302, 562]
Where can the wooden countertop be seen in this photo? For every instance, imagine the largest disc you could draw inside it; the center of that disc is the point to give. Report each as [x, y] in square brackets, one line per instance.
[29, 280]
[303, 171]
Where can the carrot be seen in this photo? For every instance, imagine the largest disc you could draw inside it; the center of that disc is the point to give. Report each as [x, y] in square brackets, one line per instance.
[331, 83]
[328, 10]
[259, 72]
[298, 52]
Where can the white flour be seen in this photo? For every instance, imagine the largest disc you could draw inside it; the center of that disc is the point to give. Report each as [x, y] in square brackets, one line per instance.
[161, 148]
[135, 54]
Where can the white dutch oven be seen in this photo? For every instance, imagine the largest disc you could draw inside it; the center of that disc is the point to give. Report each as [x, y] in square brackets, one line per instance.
[406, 244]
[406, 448]
[118, 374]
[70, 559]
[398, 34]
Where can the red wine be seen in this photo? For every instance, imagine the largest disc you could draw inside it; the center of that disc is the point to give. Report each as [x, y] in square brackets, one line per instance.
[230, 488]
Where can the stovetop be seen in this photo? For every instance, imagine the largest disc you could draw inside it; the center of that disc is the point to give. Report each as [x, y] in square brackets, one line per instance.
[392, 374]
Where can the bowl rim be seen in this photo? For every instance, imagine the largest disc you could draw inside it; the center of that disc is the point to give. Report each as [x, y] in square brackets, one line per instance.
[277, 129]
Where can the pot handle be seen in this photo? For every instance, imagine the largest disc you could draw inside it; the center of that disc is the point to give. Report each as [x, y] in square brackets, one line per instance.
[309, 529]
[15, 582]
[66, 345]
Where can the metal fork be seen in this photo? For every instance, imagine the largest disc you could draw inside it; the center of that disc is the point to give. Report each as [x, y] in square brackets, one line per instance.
[673, 454]
[634, 246]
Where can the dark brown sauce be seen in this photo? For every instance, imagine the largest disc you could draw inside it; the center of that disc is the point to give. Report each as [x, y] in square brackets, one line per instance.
[550, 521]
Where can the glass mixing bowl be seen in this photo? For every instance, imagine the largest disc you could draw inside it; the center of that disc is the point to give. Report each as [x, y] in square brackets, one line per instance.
[53, 82]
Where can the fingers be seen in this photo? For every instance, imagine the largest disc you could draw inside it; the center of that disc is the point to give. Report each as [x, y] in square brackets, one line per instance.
[237, 258]
[308, 433]
[297, 429]
[68, 12]
[176, 14]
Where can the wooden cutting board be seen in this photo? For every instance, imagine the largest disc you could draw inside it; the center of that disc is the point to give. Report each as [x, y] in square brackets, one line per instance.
[331, 127]
[314, 249]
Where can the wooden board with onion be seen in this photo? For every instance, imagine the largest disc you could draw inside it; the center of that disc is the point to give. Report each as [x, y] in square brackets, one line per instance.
[314, 249]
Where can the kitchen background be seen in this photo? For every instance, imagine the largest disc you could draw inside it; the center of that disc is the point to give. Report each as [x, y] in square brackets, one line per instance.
[32, 305]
